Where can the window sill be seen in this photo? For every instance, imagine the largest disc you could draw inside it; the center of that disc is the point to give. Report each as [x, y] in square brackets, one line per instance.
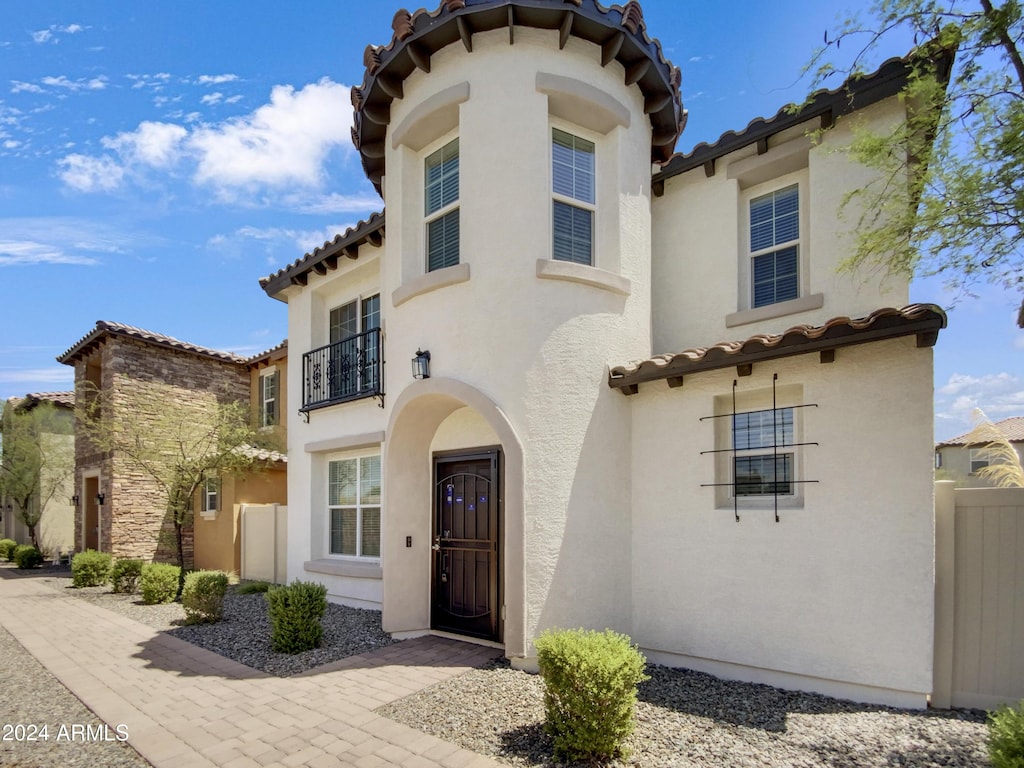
[550, 269]
[439, 278]
[331, 567]
[783, 308]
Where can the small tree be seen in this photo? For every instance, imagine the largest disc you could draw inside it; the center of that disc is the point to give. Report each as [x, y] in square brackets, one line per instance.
[176, 446]
[36, 460]
[953, 206]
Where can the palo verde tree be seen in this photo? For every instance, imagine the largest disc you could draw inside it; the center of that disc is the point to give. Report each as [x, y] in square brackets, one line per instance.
[949, 199]
[175, 445]
[37, 458]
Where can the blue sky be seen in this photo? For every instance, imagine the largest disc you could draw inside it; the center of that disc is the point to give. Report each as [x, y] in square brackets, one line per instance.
[157, 159]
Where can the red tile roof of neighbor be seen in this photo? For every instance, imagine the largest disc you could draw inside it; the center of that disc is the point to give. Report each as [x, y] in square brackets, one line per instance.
[1012, 429]
[921, 320]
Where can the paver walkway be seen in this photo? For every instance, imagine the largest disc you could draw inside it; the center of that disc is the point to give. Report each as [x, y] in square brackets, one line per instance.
[186, 707]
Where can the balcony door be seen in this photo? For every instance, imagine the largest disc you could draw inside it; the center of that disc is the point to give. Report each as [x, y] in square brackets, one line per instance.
[355, 354]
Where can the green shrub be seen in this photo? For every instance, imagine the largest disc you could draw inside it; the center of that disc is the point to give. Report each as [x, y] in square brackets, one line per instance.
[159, 583]
[203, 596]
[1006, 737]
[125, 575]
[27, 556]
[295, 612]
[590, 687]
[7, 547]
[253, 587]
[90, 568]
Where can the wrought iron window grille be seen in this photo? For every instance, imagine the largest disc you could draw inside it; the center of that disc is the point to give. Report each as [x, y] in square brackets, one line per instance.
[774, 483]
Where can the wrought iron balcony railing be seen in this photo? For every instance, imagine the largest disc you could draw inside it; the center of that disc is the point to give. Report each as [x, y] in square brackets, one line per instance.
[343, 371]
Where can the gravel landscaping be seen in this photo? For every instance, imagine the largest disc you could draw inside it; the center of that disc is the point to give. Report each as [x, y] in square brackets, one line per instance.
[684, 718]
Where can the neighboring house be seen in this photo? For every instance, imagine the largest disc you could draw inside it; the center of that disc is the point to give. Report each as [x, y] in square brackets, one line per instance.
[123, 511]
[55, 531]
[960, 458]
[759, 509]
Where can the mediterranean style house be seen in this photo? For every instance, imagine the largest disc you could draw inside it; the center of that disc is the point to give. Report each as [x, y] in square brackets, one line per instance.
[961, 458]
[53, 491]
[517, 410]
[120, 509]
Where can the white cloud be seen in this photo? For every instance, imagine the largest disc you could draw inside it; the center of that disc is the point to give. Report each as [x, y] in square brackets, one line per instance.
[212, 98]
[42, 36]
[157, 145]
[62, 81]
[58, 374]
[999, 395]
[216, 79]
[337, 203]
[17, 86]
[91, 174]
[281, 243]
[283, 142]
[23, 253]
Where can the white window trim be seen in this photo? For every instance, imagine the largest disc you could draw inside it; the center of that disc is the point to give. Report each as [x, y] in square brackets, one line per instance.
[211, 487]
[264, 374]
[357, 558]
[787, 396]
[745, 301]
[595, 139]
[429, 218]
[979, 455]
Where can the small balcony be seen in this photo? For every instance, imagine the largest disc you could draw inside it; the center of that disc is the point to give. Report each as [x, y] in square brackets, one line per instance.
[343, 371]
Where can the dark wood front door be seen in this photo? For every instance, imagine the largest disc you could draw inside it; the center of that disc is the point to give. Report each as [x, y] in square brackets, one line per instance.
[466, 595]
[92, 513]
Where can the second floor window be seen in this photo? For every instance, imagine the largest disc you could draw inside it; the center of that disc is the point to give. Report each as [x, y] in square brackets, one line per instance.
[269, 383]
[775, 246]
[572, 186]
[353, 363]
[441, 206]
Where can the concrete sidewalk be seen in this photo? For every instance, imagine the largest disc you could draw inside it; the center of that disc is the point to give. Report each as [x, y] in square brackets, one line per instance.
[186, 707]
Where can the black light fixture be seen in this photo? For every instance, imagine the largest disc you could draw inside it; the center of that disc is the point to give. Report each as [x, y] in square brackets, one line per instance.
[99, 498]
[421, 365]
[74, 500]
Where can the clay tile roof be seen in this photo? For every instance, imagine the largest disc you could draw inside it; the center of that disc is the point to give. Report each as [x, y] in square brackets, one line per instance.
[106, 328]
[65, 399]
[267, 354]
[326, 256]
[922, 320]
[856, 93]
[620, 31]
[1012, 429]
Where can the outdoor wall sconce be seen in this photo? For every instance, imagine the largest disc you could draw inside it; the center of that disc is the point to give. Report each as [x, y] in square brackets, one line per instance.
[74, 500]
[99, 498]
[421, 365]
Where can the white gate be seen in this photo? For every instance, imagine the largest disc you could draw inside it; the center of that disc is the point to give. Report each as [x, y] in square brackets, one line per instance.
[264, 542]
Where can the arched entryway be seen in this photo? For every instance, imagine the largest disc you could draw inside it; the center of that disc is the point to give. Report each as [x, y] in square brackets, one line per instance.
[414, 454]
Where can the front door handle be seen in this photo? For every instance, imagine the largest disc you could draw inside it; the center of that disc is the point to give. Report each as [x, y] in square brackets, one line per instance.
[437, 544]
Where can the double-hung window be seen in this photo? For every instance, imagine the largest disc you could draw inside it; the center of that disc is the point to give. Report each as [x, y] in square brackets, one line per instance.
[353, 499]
[269, 384]
[441, 206]
[980, 458]
[572, 186]
[762, 452]
[775, 246]
[209, 496]
[355, 351]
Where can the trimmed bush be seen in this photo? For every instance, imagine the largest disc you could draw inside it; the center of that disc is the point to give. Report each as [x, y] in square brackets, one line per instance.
[295, 612]
[7, 547]
[27, 556]
[590, 687]
[90, 568]
[203, 596]
[1006, 737]
[125, 575]
[158, 583]
[253, 587]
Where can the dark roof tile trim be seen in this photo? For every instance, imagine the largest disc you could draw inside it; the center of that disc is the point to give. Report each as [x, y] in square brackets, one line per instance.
[326, 256]
[922, 320]
[106, 328]
[620, 31]
[274, 353]
[854, 94]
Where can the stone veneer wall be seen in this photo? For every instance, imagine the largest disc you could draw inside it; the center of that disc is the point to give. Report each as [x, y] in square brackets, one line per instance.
[141, 376]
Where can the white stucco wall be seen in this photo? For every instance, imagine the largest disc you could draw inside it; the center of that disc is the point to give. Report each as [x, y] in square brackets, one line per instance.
[700, 227]
[837, 596]
[537, 348]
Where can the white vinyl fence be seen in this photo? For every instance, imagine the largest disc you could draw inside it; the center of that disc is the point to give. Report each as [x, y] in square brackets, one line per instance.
[264, 542]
